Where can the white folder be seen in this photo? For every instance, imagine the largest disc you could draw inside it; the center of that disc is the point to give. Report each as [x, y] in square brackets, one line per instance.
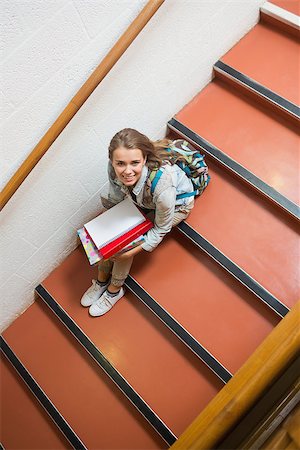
[114, 222]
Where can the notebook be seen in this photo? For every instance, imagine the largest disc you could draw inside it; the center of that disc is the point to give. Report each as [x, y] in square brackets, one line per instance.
[94, 255]
[114, 222]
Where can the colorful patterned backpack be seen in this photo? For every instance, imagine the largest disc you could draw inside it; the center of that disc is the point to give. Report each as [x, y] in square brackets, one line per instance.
[192, 164]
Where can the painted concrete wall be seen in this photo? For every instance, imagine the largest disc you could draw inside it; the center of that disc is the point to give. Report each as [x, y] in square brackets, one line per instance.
[48, 49]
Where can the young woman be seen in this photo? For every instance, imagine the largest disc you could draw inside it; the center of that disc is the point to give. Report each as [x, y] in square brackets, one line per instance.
[132, 158]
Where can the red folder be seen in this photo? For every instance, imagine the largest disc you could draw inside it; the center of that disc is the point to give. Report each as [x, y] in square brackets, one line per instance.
[115, 246]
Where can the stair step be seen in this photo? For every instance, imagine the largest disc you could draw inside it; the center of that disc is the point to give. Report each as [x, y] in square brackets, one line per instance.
[53, 412]
[270, 58]
[289, 5]
[206, 300]
[107, 367]
[255, 89]
[152, 360]
[279, 15]
[263, 143]
[24, 423]
[88, 400]
[251, 232]
[233, 269]
[178, 330]
[235, 168]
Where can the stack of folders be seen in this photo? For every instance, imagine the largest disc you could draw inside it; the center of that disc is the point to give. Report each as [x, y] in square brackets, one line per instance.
[117, 230]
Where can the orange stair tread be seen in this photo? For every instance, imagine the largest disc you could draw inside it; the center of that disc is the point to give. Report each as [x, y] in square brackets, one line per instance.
[292, 6]
[90, 402]
[210, 304]
[271, 58]
[140, 347]
[253, 233]
[259, 140]
[24, 423]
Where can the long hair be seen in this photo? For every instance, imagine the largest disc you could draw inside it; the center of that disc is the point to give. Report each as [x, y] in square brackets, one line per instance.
[154, 151]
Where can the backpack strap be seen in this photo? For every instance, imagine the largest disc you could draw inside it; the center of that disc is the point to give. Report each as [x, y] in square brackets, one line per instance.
[155, 175]
[186, 194]
[155, 179]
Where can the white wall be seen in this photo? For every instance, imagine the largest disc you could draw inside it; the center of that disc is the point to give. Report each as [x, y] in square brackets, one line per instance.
[48, 49]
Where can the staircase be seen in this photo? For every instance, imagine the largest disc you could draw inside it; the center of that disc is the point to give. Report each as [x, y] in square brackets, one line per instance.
[197, 307]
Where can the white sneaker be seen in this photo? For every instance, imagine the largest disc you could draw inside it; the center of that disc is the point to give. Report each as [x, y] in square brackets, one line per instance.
[93, 293]
[105, 303]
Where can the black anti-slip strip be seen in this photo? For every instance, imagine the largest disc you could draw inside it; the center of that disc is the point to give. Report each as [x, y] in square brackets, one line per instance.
[178, 330]
[258, 88]
[41, 397]
[1, 447]
[115, 376]
[234, 270]
[279, 199]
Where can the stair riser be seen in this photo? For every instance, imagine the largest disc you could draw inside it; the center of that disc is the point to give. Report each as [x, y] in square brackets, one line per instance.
[282, 26]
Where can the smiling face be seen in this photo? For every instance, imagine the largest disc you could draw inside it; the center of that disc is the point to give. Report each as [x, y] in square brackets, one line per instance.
[128, 164]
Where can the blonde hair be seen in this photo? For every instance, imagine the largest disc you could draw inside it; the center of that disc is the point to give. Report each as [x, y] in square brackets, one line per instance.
[154, 151]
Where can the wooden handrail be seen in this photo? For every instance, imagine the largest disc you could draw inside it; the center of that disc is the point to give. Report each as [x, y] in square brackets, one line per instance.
[245, 387]
[78, 100]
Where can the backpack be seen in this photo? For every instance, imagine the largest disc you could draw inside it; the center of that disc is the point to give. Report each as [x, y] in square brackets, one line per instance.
[193, 165]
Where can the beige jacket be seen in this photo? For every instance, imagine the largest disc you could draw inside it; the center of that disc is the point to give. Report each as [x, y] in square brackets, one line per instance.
[163, 201]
